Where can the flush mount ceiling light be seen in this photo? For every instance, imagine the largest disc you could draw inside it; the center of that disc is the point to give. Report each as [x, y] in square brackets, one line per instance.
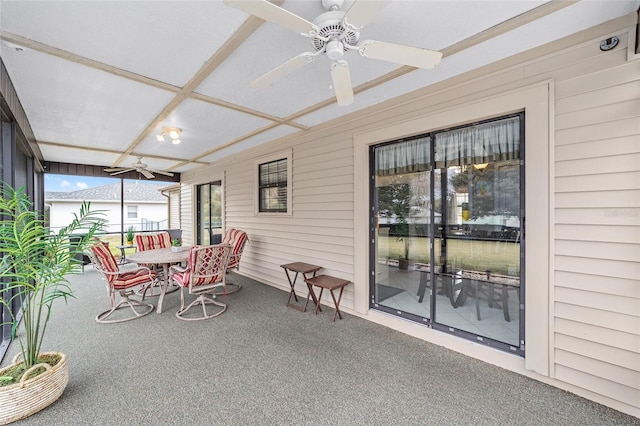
[172, 132]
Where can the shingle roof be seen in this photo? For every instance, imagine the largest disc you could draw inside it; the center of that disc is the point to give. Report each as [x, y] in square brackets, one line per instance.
[134, 191]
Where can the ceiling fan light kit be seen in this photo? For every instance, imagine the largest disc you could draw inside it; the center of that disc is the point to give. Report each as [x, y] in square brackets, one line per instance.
[334, 33]
[172, 132]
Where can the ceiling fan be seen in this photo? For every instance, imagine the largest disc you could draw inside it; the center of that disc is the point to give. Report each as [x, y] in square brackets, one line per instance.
[334, 33]
[139, 167]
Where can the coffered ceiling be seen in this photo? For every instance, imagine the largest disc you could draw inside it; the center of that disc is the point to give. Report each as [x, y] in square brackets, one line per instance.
[99, 79]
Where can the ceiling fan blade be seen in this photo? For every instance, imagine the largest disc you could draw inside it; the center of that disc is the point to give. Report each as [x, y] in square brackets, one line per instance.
[161, 172]
[146, 173]
[342, 82]
[400, 54]
[284, 69]
[272, 13]
[114, 169]
[362, 12]
[120, 171]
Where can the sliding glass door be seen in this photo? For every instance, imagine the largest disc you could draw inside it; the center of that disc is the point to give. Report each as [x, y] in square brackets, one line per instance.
[402, 218]
[446, 234]
[209, 213]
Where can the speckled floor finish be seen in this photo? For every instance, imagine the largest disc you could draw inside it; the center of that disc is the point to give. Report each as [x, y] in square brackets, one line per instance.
[261, 363]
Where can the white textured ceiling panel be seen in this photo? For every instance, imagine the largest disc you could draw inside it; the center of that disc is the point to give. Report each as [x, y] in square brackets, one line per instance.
[271, 134]
[165, 40]
[583, 15]
[78, 156]
[204, 126]
[115, 103]
[69, 103]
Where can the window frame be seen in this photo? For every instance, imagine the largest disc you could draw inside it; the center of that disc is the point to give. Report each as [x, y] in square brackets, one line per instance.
[129, 208]
[282, 155]
[435, 323]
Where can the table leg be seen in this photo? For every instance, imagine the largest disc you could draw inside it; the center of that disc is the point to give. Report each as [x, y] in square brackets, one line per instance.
[337, 303]
[165, 284]
[505, 304]
[293, 293]
[312, 294]
[292, 284]
[422, 287]
[319, 298]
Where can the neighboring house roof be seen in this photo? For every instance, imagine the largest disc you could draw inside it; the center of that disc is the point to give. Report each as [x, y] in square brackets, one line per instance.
[134, 191]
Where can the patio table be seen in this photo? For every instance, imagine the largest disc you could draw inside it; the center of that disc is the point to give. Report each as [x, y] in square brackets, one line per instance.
[331, 284]
[304, 269]
[164, 257]
[123, 254]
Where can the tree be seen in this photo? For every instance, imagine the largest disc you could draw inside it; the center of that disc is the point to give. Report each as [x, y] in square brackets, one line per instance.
[394, 201]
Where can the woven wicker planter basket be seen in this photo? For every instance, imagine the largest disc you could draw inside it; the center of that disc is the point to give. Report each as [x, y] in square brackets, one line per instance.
[27, 397]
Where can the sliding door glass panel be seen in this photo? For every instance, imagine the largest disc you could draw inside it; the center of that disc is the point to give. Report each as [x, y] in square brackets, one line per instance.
[402, 218]
[478, 203]
[445, 226]
[209, 204]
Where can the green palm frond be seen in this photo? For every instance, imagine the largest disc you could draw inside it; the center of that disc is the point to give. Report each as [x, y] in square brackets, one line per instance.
[35, 262]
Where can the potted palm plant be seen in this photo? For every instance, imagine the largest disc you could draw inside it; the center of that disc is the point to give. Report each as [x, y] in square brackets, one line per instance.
[130, 235]
[33, 270]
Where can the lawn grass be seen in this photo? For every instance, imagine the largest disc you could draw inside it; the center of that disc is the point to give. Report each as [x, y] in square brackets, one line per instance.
[499, 257]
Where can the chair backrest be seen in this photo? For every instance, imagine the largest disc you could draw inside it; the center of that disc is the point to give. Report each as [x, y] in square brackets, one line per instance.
[207, 264]
[153, 241]
[236, 238]
[103, 260]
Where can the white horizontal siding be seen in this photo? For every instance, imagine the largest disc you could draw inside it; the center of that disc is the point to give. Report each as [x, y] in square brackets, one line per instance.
[597, 227]
[599, 308]
[174, 209]
[600, 282]
[599, 250]
[604, 353]
[610, 389]
[186, 215]
[618, 377]
[318, 230]
[616, 234]
[595, 178]
[603, 335]
[603, 267]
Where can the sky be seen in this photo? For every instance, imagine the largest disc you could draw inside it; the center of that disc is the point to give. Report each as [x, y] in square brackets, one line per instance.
[69, 183]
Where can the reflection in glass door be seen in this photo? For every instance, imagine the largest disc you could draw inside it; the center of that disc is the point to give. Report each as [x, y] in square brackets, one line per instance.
[478, 270]
[209, 213]
[446, 237]
[402, 243]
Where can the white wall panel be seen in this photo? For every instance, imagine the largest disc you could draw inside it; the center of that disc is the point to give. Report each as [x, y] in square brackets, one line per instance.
[583, 185]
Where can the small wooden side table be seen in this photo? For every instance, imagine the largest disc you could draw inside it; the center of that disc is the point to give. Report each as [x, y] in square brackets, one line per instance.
[123, 257]
[304, 269]
[331, 283]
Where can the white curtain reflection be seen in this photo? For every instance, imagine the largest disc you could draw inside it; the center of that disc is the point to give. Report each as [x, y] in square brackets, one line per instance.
[403, 157]
[483, 143]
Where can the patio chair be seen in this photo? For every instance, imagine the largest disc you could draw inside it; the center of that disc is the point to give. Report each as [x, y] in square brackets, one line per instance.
[121, 283]
[237, 240]
[205, 271]
[153, 241]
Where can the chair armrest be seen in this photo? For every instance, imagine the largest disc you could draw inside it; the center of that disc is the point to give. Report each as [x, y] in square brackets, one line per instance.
[143, 268]
[176, 268]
